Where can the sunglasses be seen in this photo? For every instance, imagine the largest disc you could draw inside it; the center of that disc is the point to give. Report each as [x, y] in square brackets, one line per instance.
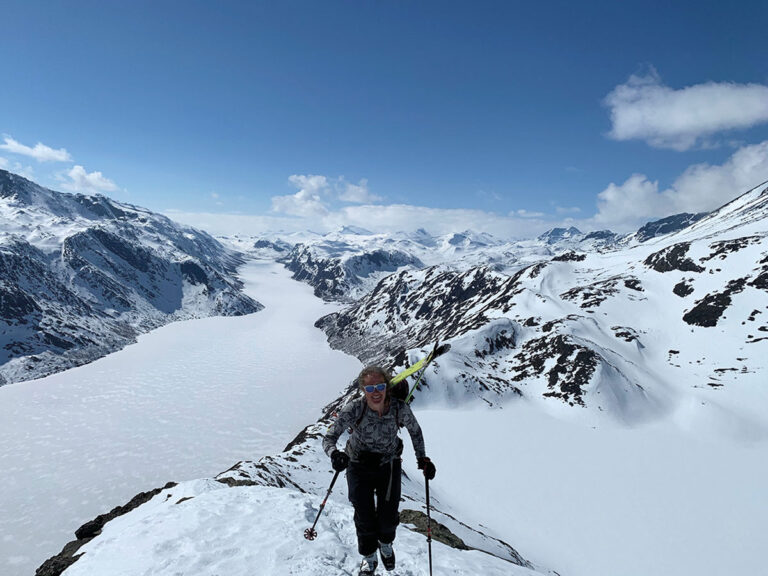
[377, 387]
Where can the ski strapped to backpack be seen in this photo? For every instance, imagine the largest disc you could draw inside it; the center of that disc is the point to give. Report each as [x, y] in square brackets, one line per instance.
[421, 367]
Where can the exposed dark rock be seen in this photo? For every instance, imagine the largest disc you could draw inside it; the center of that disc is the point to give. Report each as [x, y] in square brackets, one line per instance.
[570, 257]
[439, 532]
[722, 249]
[761, 280]
[633, 284]
[673, 258]
[683, 289]
[707, 311]
[573, 369]
[596, 293]
[625, 333]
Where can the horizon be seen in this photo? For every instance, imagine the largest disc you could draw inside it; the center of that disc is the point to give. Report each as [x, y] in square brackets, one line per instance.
[252, 119]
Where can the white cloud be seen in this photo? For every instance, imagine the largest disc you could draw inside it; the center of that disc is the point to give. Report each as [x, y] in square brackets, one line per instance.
[82, 181]
[306, 202]
[523, 213]
[4, 164]
[701, 188]
[311, 183]
[356, 193]
[645, 109]
[39, 152]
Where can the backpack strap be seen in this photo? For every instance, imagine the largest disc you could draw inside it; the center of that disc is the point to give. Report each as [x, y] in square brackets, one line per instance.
[359, 418]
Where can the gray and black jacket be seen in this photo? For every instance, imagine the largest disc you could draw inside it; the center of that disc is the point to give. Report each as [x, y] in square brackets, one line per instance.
[372, 433]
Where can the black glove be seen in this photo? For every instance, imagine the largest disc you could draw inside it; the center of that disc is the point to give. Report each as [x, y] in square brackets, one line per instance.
[339, 460]
[429, 468]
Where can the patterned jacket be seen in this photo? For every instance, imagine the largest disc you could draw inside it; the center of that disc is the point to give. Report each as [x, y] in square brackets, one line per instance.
[374, 433]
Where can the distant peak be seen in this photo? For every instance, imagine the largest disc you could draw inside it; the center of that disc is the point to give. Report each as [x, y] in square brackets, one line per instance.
[557, 234]
[355, 230]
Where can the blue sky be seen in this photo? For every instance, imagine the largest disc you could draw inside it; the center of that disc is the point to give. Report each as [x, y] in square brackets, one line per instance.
[506, 116]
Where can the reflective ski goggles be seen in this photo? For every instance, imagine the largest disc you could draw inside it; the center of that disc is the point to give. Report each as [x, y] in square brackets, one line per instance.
[377, 387]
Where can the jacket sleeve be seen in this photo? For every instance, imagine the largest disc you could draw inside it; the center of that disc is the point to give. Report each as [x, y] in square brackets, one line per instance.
[346, 418]
[410, 422]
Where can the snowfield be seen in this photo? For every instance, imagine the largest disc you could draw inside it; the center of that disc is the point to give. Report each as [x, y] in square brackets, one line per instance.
[678, 492]
[187, 401]
[255, 530]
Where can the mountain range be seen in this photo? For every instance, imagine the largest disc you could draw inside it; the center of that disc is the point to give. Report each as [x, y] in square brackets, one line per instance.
[83, 276]
[603, 328]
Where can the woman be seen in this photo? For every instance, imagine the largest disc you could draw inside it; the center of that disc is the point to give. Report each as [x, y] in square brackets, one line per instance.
[373, 454]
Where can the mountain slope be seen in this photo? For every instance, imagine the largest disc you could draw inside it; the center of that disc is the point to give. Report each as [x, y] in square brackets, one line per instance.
[81, 276]
[626, 334]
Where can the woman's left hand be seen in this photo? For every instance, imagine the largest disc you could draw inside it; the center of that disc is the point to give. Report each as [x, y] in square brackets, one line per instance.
[426, 465]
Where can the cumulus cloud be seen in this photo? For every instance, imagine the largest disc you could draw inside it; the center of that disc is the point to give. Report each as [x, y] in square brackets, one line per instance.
[644, 108]
[39, 152]
[311, 184]
[82, 181]
[700, 188]
[307, 201]
[356, 193]
[4, 164]
[316, 193]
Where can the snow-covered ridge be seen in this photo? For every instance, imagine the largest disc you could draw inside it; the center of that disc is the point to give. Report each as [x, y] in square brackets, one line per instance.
[259, 510]
[627, 334]
[81, 276]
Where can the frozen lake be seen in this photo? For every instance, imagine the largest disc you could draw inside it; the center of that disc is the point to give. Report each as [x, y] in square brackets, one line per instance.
[187, 401]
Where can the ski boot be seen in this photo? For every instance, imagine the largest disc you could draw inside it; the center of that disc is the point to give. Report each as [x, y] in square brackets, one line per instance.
[368, 565]
[387, 555]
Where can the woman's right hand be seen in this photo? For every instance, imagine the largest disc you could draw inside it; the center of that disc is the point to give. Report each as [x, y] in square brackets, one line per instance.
[339, 460]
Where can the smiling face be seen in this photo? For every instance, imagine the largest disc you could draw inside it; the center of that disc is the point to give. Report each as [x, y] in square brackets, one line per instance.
[376, 398]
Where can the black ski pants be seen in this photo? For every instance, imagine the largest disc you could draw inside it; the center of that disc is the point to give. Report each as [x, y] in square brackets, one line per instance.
[374, 491]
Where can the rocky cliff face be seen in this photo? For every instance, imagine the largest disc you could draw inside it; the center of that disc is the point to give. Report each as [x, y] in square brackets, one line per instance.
[81, 276]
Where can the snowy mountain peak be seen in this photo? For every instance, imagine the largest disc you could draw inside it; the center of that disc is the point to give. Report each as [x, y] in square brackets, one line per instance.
[355, 231]
[558, 234]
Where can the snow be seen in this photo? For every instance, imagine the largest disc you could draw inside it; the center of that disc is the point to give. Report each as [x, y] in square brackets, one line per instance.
[255, 530]
[188, 400]
[601, 501]
[677, 492]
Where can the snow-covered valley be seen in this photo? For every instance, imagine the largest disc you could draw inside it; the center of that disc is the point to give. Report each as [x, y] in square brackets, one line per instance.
[601, 411]
[681, 496]
[188, 400]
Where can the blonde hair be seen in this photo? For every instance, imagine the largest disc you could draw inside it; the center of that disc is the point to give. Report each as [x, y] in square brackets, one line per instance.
[371, 371]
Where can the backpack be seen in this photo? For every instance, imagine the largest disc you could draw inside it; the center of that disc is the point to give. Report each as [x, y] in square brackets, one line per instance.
[399, 390]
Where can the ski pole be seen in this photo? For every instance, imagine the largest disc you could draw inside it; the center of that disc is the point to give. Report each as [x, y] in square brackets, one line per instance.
[429, 527]
[310, 533]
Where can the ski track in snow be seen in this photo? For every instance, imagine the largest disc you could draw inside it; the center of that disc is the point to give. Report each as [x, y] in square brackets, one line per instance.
[187, 401]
